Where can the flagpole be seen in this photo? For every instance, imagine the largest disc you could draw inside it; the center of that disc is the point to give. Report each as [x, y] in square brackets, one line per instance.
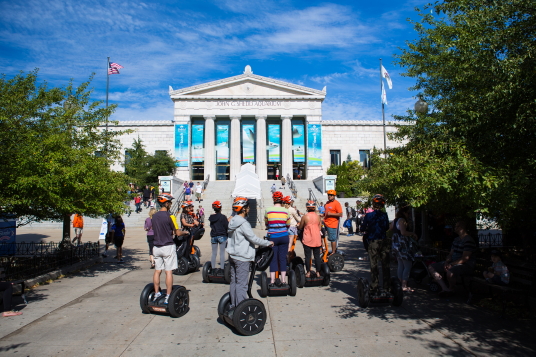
[383, 111]
[107, 89]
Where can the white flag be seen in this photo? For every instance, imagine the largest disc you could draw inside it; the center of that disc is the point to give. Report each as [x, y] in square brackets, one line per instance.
[384, 95]
[385, 75]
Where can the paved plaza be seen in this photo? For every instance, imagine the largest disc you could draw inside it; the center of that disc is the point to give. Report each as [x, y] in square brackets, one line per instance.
[96, 312]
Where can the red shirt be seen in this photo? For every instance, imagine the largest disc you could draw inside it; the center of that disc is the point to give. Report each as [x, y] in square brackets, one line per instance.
[332, 207]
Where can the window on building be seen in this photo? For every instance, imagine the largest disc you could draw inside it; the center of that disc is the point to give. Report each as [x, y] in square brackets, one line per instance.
[364, 158]
[99, 154]
[128, 156]
[161, 152]
[335, 157]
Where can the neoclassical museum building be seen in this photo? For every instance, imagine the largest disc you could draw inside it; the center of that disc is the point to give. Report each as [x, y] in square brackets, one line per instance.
[219, 126]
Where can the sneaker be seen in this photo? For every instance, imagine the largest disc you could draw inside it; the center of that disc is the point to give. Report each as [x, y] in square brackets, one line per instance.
[157, 295]
[350, 234]
[166, 300]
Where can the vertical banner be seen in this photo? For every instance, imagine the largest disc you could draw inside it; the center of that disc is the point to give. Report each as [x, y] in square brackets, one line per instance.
[248, 143]
[197, 143]
[274, 142]
[8, 235]
[314, 145]
[222, 144]
[181, 145]
[298, 142]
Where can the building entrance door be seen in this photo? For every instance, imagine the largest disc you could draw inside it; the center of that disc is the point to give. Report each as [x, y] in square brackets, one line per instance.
[222, 172]
[298, 171]
[271, 168]
[198, 171]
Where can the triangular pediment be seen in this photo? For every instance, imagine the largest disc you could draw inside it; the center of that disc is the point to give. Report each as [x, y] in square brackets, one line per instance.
[246, 85]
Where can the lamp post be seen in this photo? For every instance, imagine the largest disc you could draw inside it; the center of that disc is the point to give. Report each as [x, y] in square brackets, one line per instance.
[421, 106]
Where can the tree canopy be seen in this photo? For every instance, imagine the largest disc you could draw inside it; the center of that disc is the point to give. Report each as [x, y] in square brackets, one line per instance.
[56, 161]
[143, 168]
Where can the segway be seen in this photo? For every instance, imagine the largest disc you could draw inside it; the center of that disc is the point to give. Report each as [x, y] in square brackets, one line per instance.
[335, 260]
[366, 297]
[177, 306]
[298, 266]
[187, 262]
[216, 275]
[279, 288]
[249, 317]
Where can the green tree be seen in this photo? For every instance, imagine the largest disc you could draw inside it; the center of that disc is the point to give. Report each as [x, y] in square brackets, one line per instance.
[349, 174]
[49, 138]
[160, 164]
[143, 168]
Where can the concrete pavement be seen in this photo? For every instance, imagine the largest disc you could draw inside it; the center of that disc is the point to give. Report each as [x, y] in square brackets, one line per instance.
[96, 313]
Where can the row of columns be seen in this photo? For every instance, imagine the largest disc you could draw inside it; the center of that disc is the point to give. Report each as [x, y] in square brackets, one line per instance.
[261, 161]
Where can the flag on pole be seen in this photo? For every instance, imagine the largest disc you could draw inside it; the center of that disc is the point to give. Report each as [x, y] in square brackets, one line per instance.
[384, 95]
[385, 75]
[113, 68]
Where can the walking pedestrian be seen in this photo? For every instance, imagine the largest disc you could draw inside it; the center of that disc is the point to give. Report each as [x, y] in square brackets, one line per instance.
[137, 203]
[118, 236]
[349, 219]
[402, 245]
[147, 194]
[198, 192]
[78, 225]
[148, 226]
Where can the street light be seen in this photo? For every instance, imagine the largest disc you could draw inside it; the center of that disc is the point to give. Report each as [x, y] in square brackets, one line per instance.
[421, 106]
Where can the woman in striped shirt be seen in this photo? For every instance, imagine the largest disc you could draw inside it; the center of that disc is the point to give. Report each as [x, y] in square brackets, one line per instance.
[277, 221]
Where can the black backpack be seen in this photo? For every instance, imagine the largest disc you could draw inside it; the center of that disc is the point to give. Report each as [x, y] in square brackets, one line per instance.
[354, 213]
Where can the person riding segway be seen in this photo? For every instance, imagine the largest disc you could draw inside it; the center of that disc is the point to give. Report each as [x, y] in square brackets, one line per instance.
[237, 308]
[332, 215]
[218, 238]
[188, 254]
[375, 225]
[175, 299]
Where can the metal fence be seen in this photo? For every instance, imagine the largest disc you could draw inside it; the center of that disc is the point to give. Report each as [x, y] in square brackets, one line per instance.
[292, 187]
[24, 261]
[490, 240]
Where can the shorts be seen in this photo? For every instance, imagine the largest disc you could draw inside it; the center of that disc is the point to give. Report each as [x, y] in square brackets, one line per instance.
[218, 239]
[333, 234]
[292, 231]
[118, 241]
[456, 270]
[165, 258]
[198, 194]
[78, 231]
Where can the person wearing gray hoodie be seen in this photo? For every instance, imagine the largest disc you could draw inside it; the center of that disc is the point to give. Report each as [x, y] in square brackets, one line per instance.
[241, 250]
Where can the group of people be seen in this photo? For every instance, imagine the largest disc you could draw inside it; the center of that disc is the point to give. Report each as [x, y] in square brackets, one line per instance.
[189, 189]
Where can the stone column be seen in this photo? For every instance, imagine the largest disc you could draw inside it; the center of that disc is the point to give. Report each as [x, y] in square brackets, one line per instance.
[235, 155]
[261, 160]
[286, 145]
[210, 151]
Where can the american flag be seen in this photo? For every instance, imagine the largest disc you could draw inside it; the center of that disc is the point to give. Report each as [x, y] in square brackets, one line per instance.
[114, 68]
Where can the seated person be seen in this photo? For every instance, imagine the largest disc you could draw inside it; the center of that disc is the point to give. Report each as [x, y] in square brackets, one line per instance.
[459, 261]
[497, 273]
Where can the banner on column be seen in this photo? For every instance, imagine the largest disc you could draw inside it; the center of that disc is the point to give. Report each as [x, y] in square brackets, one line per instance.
[274, 142]
[314, 145]
[181, 145]
[222, 144]
[248, 143]
[197, 143]
[298, 143]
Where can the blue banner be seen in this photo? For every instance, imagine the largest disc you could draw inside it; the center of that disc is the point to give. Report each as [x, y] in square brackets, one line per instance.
[314, 145]
[181, 145]
[274, 142]
[248, 143]
[298, 143]
[222, 143]
[197, 143]
[8, 235]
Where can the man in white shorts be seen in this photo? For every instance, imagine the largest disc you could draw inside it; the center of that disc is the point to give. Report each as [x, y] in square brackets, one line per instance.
[164, 251]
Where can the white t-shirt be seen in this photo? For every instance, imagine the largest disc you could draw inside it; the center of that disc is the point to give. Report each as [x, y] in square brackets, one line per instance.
[198, 189]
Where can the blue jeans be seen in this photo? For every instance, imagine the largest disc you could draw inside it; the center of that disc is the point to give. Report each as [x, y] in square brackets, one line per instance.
[280, 248]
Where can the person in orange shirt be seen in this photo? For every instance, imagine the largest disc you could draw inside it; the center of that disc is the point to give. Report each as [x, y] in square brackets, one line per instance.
[78, 225]
[332, 214]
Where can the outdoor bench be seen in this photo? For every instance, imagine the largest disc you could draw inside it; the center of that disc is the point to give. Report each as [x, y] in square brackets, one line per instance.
[22, 284]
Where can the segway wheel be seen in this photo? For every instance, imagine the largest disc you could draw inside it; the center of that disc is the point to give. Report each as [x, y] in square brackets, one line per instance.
[336, 262]
[227, 273]
[206, 269]
[396, 290]
[363, 293]
[184, 266]
[249, 317]
[264, 284]
[326, 273]
[292, 283]
[434, 287]
[179, 301]
[224, 305]
[144, 297]
[300, 275]
[195, 263]
[197, 251]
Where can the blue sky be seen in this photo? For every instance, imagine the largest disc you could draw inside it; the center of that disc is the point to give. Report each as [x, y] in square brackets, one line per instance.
[184, 43]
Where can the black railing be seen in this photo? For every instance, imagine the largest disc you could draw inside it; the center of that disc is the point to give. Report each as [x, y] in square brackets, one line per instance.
[490, 240]
[292, 187]
[205, 183]
[22, 261]
[312, 197]
[177, 203]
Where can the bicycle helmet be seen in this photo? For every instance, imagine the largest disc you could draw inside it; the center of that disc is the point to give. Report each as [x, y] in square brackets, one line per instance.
[378, 199]
[332, 192]
[239, 203]
[287, 200]
[277, 196]
[187, 204]
[310, 205]
[165, 197]
[216, 204]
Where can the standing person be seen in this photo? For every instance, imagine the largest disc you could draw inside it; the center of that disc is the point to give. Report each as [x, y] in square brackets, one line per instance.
[7, 288]
[359, 214]
[198, 192]
[201, 215]
[218, 235]
[164, 250]
[277, 221]
[401, 245]
[241, 250]
[277, 174]
[283, 180]
[137, 203]
[321, 209]
[187, 193]
[332, 214]
[273, 188]
[311, 225]
[375, 225]
[294, 219]
[110, 220]
[498, 273]
[191, 185]
[350, 217]
[78, 225]
[148, 226]
[118, 232]
[146, 195]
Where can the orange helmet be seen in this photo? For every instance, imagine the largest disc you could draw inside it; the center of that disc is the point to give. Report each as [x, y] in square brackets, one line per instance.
[332, 192]
[277, 196]
[165, 197]
[239, 203]
[287, 200]
[310, 205]
[187, 204]
[216, 204]
[378, 199]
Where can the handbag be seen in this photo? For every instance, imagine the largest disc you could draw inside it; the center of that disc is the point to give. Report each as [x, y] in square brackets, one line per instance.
[347, 223]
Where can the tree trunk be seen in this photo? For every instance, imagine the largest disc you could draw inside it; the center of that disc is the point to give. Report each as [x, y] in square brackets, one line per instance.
[66, 227]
